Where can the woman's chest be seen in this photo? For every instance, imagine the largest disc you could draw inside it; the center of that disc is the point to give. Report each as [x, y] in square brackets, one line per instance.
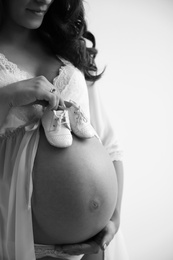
[31, 64]
[46, 66]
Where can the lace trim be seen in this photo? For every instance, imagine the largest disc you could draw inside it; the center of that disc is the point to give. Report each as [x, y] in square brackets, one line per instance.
[62, 80]
[12, 132]
[50, 250]
[12, 67]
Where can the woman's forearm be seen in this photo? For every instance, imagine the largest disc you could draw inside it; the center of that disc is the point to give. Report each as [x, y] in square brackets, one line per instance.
[120, 178]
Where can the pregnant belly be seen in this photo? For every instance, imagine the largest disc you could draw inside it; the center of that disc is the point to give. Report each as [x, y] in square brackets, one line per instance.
[75, 191]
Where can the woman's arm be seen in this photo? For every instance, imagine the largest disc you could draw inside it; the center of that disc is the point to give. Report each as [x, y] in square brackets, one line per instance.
[112, 228]
[120, 178]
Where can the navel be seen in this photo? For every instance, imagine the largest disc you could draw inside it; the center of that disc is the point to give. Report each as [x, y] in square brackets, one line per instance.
[94, 205]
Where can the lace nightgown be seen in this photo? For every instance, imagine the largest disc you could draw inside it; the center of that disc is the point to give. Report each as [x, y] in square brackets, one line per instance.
[19, 137]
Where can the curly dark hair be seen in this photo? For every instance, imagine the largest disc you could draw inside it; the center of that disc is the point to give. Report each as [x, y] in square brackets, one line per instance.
[64, 29]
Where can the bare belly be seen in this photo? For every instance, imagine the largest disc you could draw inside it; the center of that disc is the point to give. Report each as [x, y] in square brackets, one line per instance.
[75, 191]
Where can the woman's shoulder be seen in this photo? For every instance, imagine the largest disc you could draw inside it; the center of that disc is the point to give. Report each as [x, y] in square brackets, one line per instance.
[70, 67]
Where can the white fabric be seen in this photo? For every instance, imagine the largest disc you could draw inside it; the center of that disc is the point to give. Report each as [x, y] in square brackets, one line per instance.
[117, 249]
[102, 125]
[72, 85]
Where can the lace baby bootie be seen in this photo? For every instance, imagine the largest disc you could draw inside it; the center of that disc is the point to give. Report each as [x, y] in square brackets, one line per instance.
[79, 123]
[57, 128]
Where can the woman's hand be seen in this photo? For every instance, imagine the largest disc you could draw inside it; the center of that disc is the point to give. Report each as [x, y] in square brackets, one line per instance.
[100, 241]
[35, 90]
[109, 231]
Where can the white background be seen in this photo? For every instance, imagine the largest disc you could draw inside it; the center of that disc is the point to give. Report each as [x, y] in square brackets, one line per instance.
[135, 42]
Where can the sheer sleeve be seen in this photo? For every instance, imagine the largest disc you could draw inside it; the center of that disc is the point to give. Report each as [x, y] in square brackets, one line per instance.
[102, 124]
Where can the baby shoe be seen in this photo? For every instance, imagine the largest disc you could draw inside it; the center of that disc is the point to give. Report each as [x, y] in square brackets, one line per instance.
[57, 128]
[79, 123]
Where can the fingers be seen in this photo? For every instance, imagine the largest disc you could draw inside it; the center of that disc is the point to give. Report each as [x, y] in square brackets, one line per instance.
[53, 100]
[106, 240]
[62, 103]
[46, 91]
[56, 101]
[34, 90]
[107, 234]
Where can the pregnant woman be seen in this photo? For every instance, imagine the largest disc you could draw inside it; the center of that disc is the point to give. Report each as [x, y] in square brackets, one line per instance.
[54, 203]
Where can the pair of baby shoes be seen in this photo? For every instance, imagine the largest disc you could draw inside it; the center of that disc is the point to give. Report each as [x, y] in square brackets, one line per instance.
[58, 125]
